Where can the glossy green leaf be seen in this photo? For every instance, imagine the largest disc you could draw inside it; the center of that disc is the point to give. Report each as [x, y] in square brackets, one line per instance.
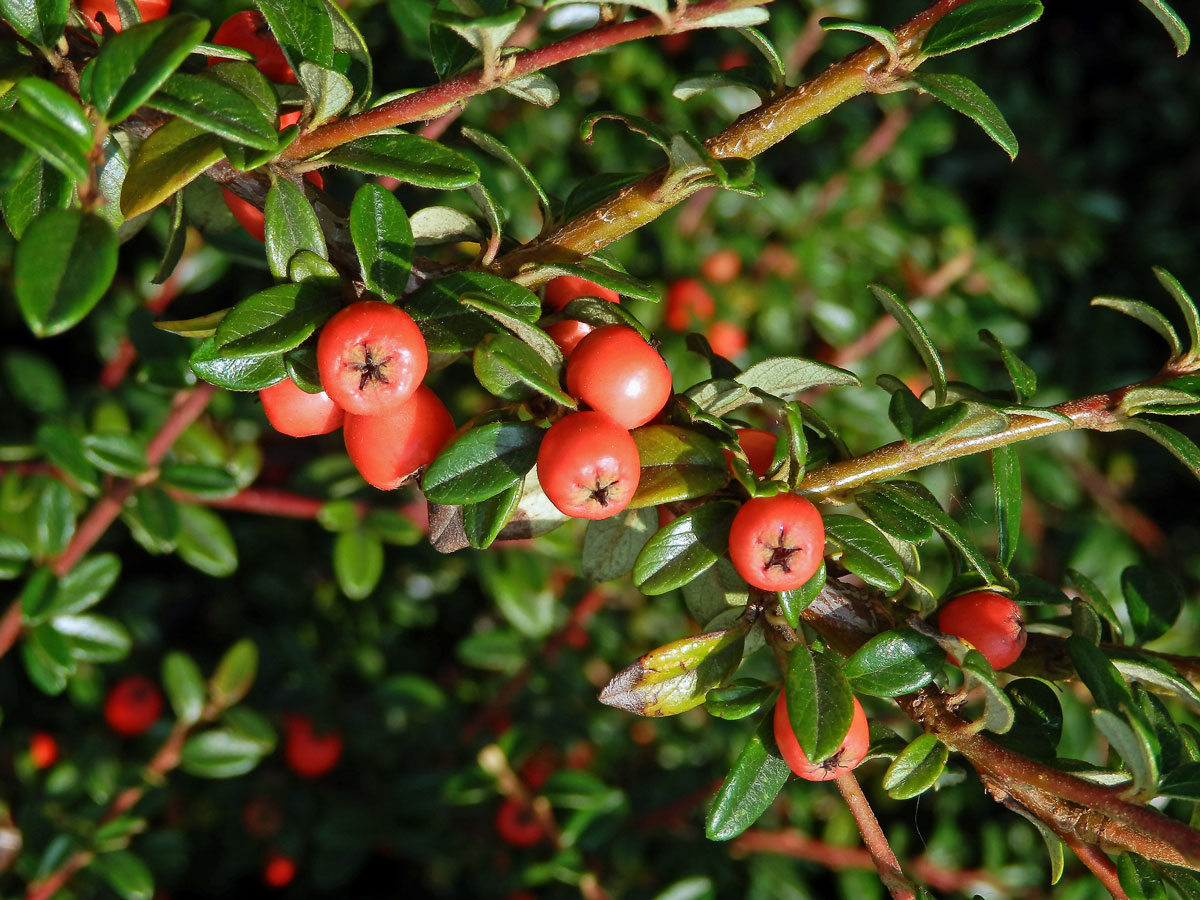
[1100, 675]
[865, 551]
[1096, 597]
[916, 768]
[328, 91]
[1153, 599]
[684, 548]
[50, 122]
[200, 480]
[153, 519]
[1174, 25]
[785, 376]
[291, 226]
[605, 276]
[125, 873]
[482, 463]
[133, 64]
[358, 562]
[918, 336]
[677, 464]
[917, 501]
[318, 31]
[383, 240]
[94, 639]
[39, 189]
[998, 713]
[977, 22]
[1143, 668]
[39, 21]
[205, 543]
[495, 148]
[893, 663]
[409, 158]
[677, 676]
[794, 602]
[965, 96]
[38, 596]
[756, 778]
[47, 657]
[217, 106]
[88, 582]
[536, 339]
[272, 321]
[1148, 316]
[1179, 445]
[1024, 379]
[235, 674]
[184, 687]
[512, 370]
[166, 162]
[739, 699]
[13, 556]
[1037, 718]
[714, 592]
[820, 704]
[483, 521]
[1131, 744]
[451, 326]
[236, 374]
[892, 517]
[53, 518]
[1006, 480]
[220, 753]
[877, 33]
[117, 454]
[62, 267]
[611, 546]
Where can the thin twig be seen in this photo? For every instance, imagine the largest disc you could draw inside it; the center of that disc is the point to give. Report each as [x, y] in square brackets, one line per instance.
[881, 851]
[1102, 867]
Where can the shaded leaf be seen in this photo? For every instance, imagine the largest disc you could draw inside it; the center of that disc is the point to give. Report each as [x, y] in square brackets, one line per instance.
[676, 677]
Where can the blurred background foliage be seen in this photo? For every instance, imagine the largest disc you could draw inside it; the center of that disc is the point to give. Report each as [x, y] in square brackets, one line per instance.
[447, 653]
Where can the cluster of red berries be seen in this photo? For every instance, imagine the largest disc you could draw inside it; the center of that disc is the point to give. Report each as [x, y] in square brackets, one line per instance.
[690, 306]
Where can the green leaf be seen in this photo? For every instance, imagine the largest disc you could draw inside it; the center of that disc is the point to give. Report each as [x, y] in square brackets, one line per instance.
[176, 242]
[877, 33]
[220, 753]
[88, 582]
[47, 658]
[1006, 479]
[756, 778]
[739, 699]
[200, 479]
[318, 31]
[409, 158]
[1182, 783]
[916, 768]
[358, 562]
[540, 342]
[914, 420]
[291, 226]
[605, 276]
[13, 556]
[383, 240]
[919, 338]
[865, 551]
[916, 500]
[235, 674]
[891, 516]
[39, 21]
[1096, 597]
[217, 104]
[998, 712]
[1174, 25]
[893, 663]
[96, 639]
[153, 518]
[62, 267]
[1158, 673]
[1154, 600]
[133, 64]
[965, 96]
[1100, 675]
[167, 161]
[1037, 718]
[684, 549]
[1148, 316]
[184, 686]
[512, 370]
[272, 321]
[53, 519]
[977, 22]
[117, 454]
[676, 677]
[795, 601]
[251, 373]
[482, 463]
[1132, 746]
[484, 521]
[611, 546]
[1180, 446]
[1140, 878]
[38, 596]
[451, 326]
[820, 704]
[205, 543]
[495, 148]
[785, 376]
[50, 122]
[677, 464]
[125, 873]
[715, 592]
[1024, 379]
[40, 188]
[330, 92]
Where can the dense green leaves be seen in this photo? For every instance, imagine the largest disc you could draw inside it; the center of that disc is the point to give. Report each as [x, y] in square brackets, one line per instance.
[219, 103]
[62, 267]
[409, 158]
[450, 325]
[820, 704]
[40, 21]
[291, 225]
[272, 321]
[677, 464]
[865, 551]
[684, 549]
[512, 370]
[893, 663]
[482, 463]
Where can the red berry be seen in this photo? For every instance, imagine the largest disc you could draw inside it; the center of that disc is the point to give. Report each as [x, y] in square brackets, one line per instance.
[734, 59]
[588, 466]
[250, 216]
[845, 758]
[726, 339]
[615, 371]
[674, 43]
[249, 31]
[688, 300]
[279, 870]
[721, 266]
[372, 357]
[759, 447]
[289, 119]
[517, 824]
[387, 449]
[43, 750]
[294, 411]
[989, 622]
[309, 754]
[150, 10]
[133, 705]
[562, 290]
[568, 334]
[776, 543]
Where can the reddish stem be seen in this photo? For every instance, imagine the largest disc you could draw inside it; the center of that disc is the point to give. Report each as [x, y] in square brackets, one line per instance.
[878, 847]
[1102, 867]
[268, 502]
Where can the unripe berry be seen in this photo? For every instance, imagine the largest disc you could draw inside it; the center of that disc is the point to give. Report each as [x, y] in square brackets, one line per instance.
[249, 31]
[309, 754]
[845, 758]
[43, 750]
[133, 705]
[614, 371]
[388, 449]
[372, 357]
[988, 621]
[588, 466]
[293, 411]
[776, 543]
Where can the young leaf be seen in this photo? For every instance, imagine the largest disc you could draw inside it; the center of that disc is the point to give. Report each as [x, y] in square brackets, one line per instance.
[1148, 316]
[998, 713]
[62, 267]
[677, 464]
[357, 562]
[877, 33]
[916, 333]
[409, 158]
[916, 768]
[965, 96]
[677, 676]
[536, 339]
[820, 704]
[865, 551]
[328, 91]
[291, 226]
[94, 639]
[383, 240]
[785, 376]
[610, 546]
[482, 463]
[756, 778]
[1191, 314]
[1024, 379]
[85, 585]
[978, 22]
[184, 687]
[893, 663]
[684, 549]
[1174, 25]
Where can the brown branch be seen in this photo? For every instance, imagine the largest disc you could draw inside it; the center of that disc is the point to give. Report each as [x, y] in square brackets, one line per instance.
[433, 100]
[878, 847]
[1102, 867]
